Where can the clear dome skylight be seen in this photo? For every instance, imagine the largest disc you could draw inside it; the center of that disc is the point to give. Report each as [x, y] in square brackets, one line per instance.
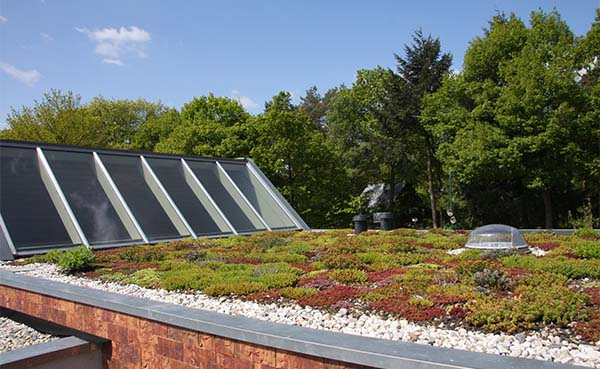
[495, 237]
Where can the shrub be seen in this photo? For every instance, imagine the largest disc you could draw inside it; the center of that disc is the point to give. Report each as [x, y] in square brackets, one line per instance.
[348, 275]
[588, 249]
[74, 260]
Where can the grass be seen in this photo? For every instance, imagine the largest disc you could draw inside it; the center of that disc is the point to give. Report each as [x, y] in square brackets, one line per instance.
[402, 273]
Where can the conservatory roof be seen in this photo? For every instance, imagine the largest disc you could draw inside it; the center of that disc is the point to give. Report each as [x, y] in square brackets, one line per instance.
[55, 196]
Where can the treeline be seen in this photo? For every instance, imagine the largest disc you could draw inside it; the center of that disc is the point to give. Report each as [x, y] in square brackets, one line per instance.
[514, 137]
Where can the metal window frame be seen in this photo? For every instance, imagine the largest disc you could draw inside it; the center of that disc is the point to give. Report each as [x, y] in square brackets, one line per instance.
[6, 235]
[116, 191]
[168, 199]
[189, 170]
[283, 204]
[58, 191]
[239, 192]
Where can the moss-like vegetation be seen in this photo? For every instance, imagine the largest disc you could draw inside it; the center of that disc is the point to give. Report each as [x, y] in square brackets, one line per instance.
[401, 273]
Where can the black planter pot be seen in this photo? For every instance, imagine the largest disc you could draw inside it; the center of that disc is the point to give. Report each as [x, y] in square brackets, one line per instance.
[387, 221]
[360, 223]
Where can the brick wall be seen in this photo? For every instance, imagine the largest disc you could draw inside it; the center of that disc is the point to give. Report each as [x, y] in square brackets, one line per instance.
[142, 343]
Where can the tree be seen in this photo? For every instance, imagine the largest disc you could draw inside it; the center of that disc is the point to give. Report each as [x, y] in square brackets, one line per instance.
[58, 118]
[122, 118]
[155, 129]
[368, 125]
[317, 106]
[508, 124]
[421, 72]
[298, 160]
[538, 107]
[210, 126]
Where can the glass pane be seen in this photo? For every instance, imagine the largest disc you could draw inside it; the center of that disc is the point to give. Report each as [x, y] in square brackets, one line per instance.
[258, 196]
[171, 175]
[27, 208]
[128, 175]
[76, 175]
[208, 175]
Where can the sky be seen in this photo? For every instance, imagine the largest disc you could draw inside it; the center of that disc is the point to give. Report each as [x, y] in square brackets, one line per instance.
[249, 50]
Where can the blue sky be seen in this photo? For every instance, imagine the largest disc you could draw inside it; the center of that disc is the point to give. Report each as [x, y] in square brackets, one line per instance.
[174, 50]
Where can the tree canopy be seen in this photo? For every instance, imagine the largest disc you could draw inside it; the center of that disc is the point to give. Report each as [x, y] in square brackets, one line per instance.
[512, 137]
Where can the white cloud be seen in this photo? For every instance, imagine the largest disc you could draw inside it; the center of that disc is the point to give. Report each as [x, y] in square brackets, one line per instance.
[3, 19]
[29, 77]
[114, 43]
[112, 61]
[246, 101]
[46, 37]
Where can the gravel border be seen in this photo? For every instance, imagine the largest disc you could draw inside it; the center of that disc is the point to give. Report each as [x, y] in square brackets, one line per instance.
[14, 336]
[536, 345]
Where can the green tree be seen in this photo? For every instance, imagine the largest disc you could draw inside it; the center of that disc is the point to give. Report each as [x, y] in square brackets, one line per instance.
[421, 72]
[508, 125]
[122, 118]
[58, 118]
[317, 106]
[294, 154]
[155, 129]
[210, 126]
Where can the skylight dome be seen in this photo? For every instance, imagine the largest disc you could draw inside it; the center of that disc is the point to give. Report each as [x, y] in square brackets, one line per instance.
[496, 237]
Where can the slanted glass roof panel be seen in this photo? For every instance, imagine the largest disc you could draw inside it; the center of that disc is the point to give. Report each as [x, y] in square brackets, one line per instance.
[238, 213]
[171, 174]
[128, 175]
[28, 210]
[259, 197]
[77, 177]
[496, 236]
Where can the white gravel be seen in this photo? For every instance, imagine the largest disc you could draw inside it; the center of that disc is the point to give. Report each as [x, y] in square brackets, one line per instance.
[14, 336]
[538, 345]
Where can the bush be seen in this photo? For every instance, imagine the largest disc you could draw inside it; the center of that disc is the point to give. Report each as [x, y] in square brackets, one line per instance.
[348, 275]
[78, 259]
